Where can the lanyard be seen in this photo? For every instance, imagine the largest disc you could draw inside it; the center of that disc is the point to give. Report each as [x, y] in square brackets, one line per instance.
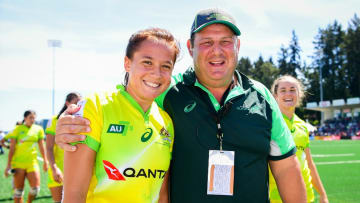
[222, 112]
[219, 134]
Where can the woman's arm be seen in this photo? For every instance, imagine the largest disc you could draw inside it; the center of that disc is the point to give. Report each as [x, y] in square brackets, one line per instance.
[164, 191]
[288, 179]
[43, 154]
[10, 156]
[78, 169]
[315, 178]
[57, 174]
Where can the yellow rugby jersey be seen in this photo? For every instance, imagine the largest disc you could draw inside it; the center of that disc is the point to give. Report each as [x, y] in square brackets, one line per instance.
[300, 134]
[133, 147]
[58, 152]
[26, 141]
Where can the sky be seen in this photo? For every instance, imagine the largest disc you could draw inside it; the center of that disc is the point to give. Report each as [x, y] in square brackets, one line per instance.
[94, 35]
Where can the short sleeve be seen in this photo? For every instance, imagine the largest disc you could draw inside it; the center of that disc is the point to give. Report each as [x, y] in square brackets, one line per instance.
[91, 109]
[282, 144]
[51, 126]
[41, 134]
[307, 141]
[12, 134]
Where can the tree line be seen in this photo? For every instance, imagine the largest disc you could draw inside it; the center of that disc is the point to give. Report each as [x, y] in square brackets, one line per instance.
[336, 54]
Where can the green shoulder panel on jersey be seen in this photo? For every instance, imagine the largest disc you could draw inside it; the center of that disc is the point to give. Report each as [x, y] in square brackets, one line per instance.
[281, 143]
[90, 142]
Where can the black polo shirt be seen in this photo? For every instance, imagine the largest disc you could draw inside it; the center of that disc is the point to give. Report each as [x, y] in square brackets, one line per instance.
[252, 126]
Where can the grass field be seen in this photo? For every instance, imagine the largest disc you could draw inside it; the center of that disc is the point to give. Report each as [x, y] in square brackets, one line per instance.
[338, 163]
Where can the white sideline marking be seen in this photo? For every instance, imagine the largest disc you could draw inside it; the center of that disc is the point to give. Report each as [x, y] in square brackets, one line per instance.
[338, 162]
[331, 155]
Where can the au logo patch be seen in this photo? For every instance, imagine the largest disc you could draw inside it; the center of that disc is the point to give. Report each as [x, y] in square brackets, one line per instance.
[119, 128]
[116, 128]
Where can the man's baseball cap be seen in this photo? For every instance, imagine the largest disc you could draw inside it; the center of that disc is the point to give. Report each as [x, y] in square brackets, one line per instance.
[211, 16]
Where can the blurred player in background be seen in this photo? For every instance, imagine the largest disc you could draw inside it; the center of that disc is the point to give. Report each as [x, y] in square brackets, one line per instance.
[54, 153]
[288, 92]
[23, 156]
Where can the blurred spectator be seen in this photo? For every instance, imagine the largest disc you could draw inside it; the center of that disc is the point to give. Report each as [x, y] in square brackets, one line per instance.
[344, 127]
[2, 135]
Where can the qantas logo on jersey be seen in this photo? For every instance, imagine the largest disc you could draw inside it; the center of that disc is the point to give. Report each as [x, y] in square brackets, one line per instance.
[114, 173]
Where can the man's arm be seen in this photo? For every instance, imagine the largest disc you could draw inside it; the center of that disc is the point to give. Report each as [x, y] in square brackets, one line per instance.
[289, 180]
[68, 126]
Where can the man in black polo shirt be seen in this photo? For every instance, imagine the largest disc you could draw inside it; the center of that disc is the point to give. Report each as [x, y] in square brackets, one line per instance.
[228, 128]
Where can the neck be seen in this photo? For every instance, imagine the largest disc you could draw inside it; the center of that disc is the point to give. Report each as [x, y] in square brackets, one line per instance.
[219, 91]
[289, 112]
[144, 104]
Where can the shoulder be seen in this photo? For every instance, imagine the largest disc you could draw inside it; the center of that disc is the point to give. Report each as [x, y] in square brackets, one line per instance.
[98, 99]
[300, 123]
[258, 86]
[37, 127]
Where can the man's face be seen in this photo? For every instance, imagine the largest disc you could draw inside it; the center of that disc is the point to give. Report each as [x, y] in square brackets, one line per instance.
[215, 55]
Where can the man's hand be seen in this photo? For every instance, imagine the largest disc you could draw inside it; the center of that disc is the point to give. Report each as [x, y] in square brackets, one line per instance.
[68, 126]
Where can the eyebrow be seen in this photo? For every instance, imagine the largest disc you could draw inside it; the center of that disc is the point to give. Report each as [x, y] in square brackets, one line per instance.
[292, 87]
[207, 38]
[151, 58]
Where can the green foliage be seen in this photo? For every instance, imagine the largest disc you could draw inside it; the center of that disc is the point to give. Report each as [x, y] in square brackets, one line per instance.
[352, 52]
[337, 54]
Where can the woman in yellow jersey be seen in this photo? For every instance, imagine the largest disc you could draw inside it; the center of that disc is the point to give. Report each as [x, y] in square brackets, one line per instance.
[54, 153]
[23, 156]
[126, 156]
[288, 92]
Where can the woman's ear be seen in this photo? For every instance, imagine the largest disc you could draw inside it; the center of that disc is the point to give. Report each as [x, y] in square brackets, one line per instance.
[127, 64]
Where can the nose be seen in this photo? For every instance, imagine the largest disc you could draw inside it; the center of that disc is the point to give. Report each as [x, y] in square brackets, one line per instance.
[157, 71]
[216, 49]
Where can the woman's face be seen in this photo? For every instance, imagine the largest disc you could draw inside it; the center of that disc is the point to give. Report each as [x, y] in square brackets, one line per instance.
[287, 94]
[149, 70]
[30, 119]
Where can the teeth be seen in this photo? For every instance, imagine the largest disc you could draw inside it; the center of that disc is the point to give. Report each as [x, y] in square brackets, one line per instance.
[213, 62]
[152, 84]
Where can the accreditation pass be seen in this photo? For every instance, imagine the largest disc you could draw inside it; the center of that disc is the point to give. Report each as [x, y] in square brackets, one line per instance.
[221, 173]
